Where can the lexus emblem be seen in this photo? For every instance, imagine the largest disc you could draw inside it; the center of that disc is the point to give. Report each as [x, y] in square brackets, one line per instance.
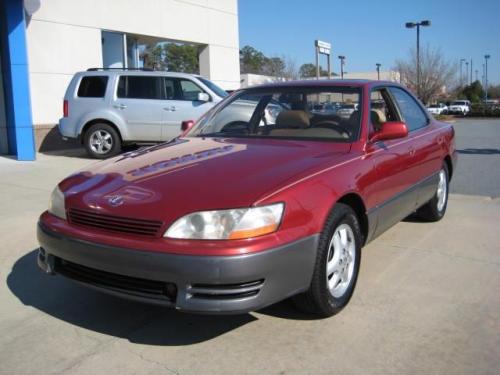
[115, 200]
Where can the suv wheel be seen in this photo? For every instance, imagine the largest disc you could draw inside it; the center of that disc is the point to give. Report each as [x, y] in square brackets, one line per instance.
[337, 264]
[102, 141]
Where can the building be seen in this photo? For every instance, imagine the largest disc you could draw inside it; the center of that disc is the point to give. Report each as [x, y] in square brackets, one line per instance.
[44, 42]
[386, 75]
[248, 79]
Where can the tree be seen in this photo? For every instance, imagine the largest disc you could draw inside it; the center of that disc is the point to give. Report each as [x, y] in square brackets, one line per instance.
[274, 66]
[494, 92]
[473, 92]
[436, 74]
[309, 70]
[172, 57]
[182, 58]
[251, 60]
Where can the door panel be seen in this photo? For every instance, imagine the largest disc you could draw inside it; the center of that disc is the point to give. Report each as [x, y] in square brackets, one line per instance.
[181, 105]
[138, 101]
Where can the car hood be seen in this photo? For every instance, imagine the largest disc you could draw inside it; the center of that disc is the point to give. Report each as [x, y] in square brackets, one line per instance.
[167, 181]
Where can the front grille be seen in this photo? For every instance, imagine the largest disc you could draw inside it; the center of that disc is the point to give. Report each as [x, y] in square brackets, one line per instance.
[112, 223]
[151, 289]
[226, 291]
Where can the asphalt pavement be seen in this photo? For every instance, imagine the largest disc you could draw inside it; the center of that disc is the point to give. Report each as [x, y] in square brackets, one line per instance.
[478, 146]
[427, 299]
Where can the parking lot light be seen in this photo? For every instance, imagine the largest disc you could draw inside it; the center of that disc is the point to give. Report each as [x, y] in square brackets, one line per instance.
[342, 63]
[486, 57]
[378, 65]
[411, 25]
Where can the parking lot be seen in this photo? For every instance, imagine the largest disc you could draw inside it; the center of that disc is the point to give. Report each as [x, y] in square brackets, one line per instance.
[427, 299]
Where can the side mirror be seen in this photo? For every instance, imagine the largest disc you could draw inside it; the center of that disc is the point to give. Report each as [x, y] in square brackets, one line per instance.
[203, 97]
[186, 125]
[390, 130]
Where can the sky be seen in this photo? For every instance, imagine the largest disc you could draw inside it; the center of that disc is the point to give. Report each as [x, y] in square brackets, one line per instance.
[370, 32]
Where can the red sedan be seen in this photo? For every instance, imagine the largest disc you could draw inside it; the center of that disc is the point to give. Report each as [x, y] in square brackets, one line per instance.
[262, 199]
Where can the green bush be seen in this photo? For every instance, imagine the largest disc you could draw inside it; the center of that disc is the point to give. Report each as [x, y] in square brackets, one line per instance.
[483, 110]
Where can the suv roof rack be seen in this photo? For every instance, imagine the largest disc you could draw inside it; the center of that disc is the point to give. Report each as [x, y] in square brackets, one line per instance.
[137, 69]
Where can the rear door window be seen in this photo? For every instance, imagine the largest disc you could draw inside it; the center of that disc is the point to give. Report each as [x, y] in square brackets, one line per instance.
[413, 115]
[92, 87]
[140, 87]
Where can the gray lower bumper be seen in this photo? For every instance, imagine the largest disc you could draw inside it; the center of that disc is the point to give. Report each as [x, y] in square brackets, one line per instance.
[209, 284]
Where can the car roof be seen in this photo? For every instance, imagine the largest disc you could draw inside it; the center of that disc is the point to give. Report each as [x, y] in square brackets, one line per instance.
[163, 73]
[325, 82]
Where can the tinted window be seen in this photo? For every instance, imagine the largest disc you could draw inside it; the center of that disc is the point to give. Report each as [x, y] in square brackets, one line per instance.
[170, 90]
[92, 87]
[189, 89]
[140, 87]
[413, 115]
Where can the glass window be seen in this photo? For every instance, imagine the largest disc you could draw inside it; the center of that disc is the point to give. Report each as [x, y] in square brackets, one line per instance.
[413, 115]
[170, 90]
[140, 87]
[189, 89]
[212, 86]
[309, 113]
[92, 87]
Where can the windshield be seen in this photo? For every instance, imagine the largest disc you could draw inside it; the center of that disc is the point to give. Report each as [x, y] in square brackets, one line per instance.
[212, 86]
[458, 103]
[434, 106]
[285, 112]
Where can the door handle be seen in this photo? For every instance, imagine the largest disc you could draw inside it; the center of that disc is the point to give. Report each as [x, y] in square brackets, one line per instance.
[120, 106]
[412, 151]
[171, 109]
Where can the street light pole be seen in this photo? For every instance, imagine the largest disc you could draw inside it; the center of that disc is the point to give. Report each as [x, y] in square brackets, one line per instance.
[471, 71]
[378, 70]
[461, 74]
[486, 57]
[466, 73]
[411, 25]
[342, 62]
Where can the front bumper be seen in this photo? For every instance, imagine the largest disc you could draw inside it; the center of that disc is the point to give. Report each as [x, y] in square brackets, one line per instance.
[205, 284]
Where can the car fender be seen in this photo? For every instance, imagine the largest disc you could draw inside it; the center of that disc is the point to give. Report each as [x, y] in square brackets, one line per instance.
[310, 199]
[107, 115]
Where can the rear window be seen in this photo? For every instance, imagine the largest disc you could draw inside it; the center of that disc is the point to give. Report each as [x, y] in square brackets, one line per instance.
[92, 87]
[140, 87]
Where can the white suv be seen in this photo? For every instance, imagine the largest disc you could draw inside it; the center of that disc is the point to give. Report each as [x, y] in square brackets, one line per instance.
[106, 108]
[460, 107]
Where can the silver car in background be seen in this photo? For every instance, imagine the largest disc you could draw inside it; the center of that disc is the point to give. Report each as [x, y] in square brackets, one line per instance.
[107, 108]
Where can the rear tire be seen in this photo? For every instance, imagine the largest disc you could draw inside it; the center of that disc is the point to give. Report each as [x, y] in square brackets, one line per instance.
[102, 141]
[337, 264]
[435, 209]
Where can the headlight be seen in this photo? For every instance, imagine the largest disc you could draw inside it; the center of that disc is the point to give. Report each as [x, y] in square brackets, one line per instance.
[56, 204]
[228, 224]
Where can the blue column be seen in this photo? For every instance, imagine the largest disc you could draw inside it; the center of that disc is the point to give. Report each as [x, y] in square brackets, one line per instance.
[16, 81]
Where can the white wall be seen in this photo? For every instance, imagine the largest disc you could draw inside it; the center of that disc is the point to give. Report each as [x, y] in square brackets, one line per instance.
[64, 36]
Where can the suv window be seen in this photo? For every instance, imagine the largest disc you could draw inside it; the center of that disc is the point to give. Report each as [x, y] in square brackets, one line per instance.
[413, 115]
[92, 87]
[189, 90]
[140, 87]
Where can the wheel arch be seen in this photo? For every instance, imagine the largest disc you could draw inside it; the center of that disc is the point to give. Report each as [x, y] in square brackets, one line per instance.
[449, 164]
[97, 121]
[355, 201]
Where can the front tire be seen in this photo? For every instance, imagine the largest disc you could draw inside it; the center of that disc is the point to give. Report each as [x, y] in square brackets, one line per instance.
[337, 264]
[435, 209]
[102, 141]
